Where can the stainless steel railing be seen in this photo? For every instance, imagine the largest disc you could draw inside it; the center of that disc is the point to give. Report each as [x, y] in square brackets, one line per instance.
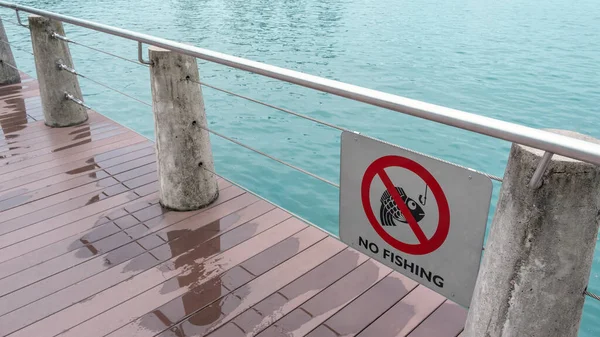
[540, 139]
[549, 142]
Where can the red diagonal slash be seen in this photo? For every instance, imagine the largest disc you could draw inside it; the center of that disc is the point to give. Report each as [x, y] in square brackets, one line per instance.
[403, 208]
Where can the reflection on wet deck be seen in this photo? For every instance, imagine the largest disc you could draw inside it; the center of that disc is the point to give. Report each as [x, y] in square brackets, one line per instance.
[87, 250]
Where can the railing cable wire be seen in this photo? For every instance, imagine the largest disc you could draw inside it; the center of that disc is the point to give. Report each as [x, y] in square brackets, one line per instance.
[271, 157]
[269, 201]
[70, 97]
[12, 23]
[74, 72]
[10, 65]
[333, 126]
[493, 177]
[592, 295]
[274, 107]
[17, 48]
[115, 90]
[64, 38]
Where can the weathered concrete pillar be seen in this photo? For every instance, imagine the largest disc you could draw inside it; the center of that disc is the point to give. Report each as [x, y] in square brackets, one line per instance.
[8, 75]
[54, 83]
[183, 149]
[538, 257]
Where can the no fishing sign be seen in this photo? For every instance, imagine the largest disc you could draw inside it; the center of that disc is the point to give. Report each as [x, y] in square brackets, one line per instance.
[418, 215]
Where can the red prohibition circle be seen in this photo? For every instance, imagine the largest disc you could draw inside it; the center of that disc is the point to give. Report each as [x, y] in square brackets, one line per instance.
[426, 245]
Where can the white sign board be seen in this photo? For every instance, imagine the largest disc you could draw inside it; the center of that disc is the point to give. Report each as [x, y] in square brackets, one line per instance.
[422, 217]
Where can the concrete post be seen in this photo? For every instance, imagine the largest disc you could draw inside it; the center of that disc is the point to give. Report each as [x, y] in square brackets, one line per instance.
[183, 149]
[55, 83]
[8, 75]
[539, 252]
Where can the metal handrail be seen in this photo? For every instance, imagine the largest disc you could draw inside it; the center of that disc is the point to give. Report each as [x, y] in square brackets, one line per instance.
[540, 139]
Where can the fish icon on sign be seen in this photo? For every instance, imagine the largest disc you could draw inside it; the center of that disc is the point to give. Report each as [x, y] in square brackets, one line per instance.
[389, 211]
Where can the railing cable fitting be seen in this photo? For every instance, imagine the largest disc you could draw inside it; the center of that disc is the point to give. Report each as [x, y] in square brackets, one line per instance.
[76, 100]
[66, 68]
[60, 37]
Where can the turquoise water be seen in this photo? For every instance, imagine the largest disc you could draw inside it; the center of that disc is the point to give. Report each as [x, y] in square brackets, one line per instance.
[531, 62]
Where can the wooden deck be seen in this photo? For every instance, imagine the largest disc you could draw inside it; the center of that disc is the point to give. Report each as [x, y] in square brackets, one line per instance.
[86, 250]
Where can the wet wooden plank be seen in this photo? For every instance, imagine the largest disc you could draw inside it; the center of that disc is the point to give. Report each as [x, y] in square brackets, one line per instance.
[23, 154]
[19, 206]
[87, 250]
[60, 141]
[26, 136]
[67, 219]
[357, 315]
[32, 275]
[94, 156]
[220, 312]
[215, 257]
[260, 316]
[105, 227]
[38, 127]
[318, 309]
[86, 240]
[131, 231]
[26, 84]
[43, 135]
[447, 320]
[112, 167]
[60, 232]
[406, 315]
[44, 155]
[26, 216]
[55, 160]
[203, 295]
[76, 169]
[179, 238]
